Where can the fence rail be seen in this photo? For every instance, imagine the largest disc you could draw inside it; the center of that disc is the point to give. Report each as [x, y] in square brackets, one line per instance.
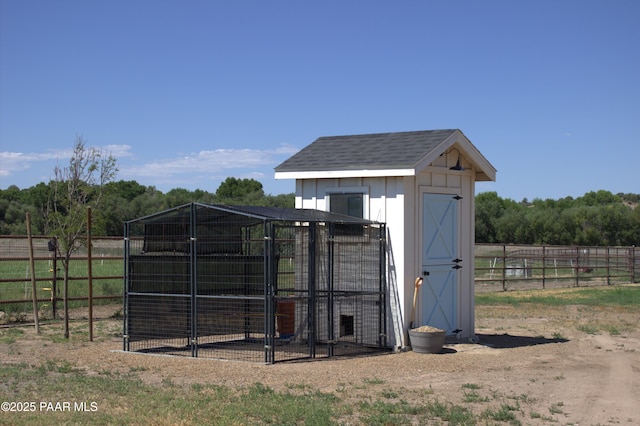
[513, 267]
[497, 268]
[15, 276]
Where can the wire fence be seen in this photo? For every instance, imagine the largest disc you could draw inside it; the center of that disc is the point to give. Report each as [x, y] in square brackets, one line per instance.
[519, 267]
[497, 268]
[16, 291]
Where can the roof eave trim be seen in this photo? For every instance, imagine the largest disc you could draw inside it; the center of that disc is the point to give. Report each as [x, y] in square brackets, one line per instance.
[483, 177]
[331, 174]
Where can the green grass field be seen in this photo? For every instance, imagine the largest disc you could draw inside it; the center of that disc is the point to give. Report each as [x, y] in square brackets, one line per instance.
[78, 288]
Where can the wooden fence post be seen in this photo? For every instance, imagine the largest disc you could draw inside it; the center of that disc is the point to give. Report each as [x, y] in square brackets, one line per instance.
[32, 263]
[89, 274]
[52, 245]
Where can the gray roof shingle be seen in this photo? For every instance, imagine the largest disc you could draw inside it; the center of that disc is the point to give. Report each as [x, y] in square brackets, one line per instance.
[365, 152]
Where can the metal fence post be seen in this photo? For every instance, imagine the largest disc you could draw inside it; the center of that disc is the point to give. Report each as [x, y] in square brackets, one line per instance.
[577, 268]
[608, 269]
[544, 267]
[504, 267]
[193, 279]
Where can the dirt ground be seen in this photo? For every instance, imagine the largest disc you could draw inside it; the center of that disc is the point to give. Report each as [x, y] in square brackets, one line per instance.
[564, 365]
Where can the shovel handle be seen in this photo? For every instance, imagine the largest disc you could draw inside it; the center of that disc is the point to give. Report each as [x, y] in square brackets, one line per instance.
[417, 283]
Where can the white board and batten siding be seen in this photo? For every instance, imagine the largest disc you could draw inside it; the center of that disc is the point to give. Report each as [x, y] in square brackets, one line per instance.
[396, 201]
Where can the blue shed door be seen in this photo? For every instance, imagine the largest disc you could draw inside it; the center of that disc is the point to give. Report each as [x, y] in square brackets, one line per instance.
[440, 263]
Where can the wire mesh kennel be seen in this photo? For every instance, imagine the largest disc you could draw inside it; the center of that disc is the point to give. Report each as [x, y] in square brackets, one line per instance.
[260, 284]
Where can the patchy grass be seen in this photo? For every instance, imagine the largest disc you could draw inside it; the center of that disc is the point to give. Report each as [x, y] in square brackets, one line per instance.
[124, 398]
[10, 335]
[128, 397]
[589, 328]
[505, 413]
[620, 296]
[579, 304]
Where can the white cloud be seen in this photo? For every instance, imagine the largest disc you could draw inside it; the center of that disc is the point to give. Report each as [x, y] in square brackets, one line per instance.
[12, 162]
[286, 149]
[118, 151]
[205, 168]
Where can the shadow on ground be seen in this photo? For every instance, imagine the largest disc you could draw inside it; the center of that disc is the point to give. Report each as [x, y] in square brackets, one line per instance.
[505, 341]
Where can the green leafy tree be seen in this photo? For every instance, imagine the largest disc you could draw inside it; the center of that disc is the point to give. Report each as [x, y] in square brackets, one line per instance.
[513, 227]
[37, 197]
[145, 204]
[126, 189]
[588, 231]
[12, 193]
[12, 214]
[115, 210]
[80, 185]
[489, 207]
[204, 197]
[282, 200]
[598, 198]
[634, 228]
[118, 204]
[177, 197]
[616, 225]
[239, 191]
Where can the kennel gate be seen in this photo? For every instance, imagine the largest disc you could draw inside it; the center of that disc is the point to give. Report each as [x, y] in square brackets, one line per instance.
[253, 283]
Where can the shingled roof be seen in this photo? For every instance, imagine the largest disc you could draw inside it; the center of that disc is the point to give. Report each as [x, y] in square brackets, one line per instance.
[398, 153]
[372, 151]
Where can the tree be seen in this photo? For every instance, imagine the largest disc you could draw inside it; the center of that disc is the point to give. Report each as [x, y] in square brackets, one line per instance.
[283, 200]
[634, 227]
[234, 190]
[37, 197]
[489, 207]
[127, 189]
[598, 198]
[80, 185]
[144, 204]
[513, 227]
[12, 193]
[177, 197]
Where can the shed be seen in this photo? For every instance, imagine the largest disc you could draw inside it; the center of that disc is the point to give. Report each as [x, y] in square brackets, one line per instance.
[251, 283]
[422, 185]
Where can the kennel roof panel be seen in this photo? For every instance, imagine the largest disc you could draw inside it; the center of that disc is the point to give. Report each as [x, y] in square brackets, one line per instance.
[209, 213]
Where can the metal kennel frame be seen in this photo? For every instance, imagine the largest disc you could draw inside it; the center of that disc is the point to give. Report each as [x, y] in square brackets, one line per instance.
[250, 283]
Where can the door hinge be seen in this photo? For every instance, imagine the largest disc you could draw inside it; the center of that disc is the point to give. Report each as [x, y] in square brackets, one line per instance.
[457, 197]
[456, 267]
[457, 260]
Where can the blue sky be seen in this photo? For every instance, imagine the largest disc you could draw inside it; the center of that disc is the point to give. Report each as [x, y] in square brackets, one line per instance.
[187, 93]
